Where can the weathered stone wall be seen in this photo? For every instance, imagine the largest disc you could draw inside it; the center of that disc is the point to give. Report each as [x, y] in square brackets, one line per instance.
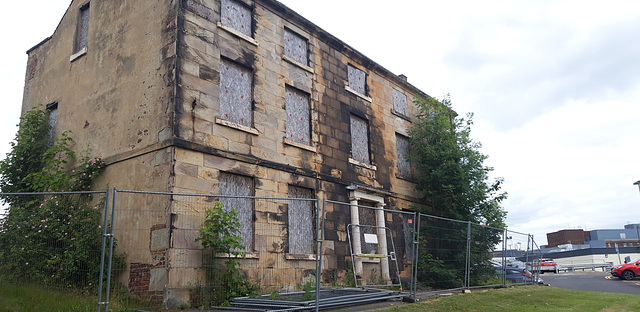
[262, 149]
[146, 98]
[117, 101]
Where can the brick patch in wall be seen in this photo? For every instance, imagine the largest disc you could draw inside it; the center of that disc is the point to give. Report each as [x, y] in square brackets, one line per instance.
[139, 281]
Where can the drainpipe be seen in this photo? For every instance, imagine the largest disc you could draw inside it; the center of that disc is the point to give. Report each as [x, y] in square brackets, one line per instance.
[357, 245]
[382, 243]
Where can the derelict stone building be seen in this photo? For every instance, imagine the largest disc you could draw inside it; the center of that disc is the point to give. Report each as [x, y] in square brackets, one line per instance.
[232, 97]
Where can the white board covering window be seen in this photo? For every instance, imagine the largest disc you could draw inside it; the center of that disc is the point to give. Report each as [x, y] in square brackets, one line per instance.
[298, 115]
[235, 93]
[295, 47]
[237, 185]
[402, 151]
[236, 15]
[300, 217]
[400, 103]
[82, 29]
[360, 139]
[357, 80]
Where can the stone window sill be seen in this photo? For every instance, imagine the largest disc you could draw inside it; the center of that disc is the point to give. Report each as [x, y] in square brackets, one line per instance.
[247, 255]
[309, 257]
[361, 164]
[237, 126]
[401, 115]
[360, 95]
[369, 259]
[401, 177]
[299, 145]
[78, 54]
[238, 34]
[294, 62]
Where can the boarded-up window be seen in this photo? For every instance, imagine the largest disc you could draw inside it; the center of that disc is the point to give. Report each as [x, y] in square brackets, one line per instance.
[400, 103]
[357, 80]
[52, 117]
[295, 46]
[235, 93]
[297, 108]
[402, 150]
[360, 139]
[82, 28]
[367, 216]
[236, 185]
[237, 16]
[300, 216]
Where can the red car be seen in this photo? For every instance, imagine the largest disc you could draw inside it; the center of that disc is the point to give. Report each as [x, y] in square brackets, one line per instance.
[626, 271]
[543, 265]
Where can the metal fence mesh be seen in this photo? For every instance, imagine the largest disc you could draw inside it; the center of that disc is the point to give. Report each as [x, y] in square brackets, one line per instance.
[296, 244]
[52, 239]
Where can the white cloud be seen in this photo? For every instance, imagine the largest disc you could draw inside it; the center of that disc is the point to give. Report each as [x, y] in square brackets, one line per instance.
[553, 84]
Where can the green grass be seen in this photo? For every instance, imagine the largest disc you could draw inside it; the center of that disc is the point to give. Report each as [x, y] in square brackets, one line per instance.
[528, 298]
[18, 298]
[35, 298]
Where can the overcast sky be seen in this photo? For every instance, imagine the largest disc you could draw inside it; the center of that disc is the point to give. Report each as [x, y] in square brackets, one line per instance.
[554, 86]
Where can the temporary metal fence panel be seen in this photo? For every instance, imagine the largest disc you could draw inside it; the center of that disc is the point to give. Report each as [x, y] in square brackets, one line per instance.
[368, 246]
[442, 255]
[485, 256]
[156, 236]
[52, 240]
[454, 254]
[140, 250]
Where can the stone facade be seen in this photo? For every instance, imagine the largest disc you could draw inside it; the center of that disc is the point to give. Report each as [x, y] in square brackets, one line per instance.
[154, 93]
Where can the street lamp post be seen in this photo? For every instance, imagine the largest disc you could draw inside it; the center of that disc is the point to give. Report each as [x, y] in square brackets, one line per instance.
[637, 232]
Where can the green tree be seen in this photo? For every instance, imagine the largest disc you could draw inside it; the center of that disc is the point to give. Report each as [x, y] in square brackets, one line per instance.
[454, 183]
[55, 239]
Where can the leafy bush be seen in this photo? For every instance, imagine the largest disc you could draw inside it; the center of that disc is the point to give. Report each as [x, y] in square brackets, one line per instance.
[53, 239]
[220, 237]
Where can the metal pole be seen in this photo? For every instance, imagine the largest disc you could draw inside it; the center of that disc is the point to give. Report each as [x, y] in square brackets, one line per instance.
[416, 244]
[412, 292]
[467, 266]
[113, 213]
[104, 246]
[528, 255]
[320, 224]
[504, 247]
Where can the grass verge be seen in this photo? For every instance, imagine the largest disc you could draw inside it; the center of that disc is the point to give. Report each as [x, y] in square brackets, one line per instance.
[528, 298]
[36, 298]
[18, 298]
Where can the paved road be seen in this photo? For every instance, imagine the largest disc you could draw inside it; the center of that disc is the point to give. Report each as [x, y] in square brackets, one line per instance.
[592, 281]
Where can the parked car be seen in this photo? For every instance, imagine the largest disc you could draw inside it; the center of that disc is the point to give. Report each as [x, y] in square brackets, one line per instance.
[543, 265]
[515, 264]
[520, 275]
[626, 271]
